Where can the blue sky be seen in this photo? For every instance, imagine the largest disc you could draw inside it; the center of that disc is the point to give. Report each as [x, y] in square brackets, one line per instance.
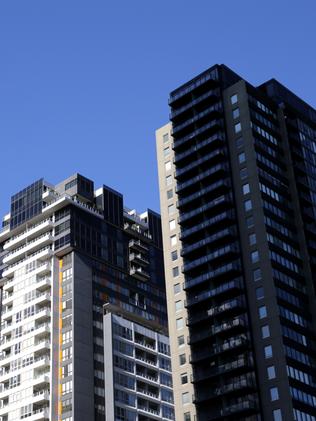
[84, 84]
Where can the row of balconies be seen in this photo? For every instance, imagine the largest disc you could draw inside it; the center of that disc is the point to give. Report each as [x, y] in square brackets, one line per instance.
[213, 141]
[33, 230]
[210, 239]
[215, 220]
[217, 329]
[201, 162]
[213, 93]
[241, 363]
[245, 383]
[212, 126]
[217, 187]
[34, 244]
[228, 269]
[215, 169]
[209, 206]
[41, 254]
[198, 119]
[225, 288]
[230, 345]
[209, 78]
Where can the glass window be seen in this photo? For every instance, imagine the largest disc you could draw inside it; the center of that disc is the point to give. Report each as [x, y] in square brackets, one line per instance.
[172, 224]
[168, 180]
[234, 99]
[236, 113]
[277, 415]
[257, 274]
[246, 188]
[237, 128]
[262, 311]
[265, 331]
[243, 173]
[169, 194]
[171, 209]
[255, 256]
[181, 340]
[173, 240]
[176, 288]
[187, 416]
[248, 205]
[182, 359]
[178, 305]
[175, 271]
[168, 166]
[242, 157]
[239, 142]
[166, 151]
[252, 239]
[185, 397]
[274, 393]
[174, 255]
[165, 138]
[268, 352]
[259, 293]
[179, 323]
[184, 378]
[250, 222]
[271, 372]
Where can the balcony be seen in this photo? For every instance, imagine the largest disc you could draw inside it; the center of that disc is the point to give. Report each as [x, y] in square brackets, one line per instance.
[215, 220]
[221, 185]
[238, 365]
[203, 115]
[33, 230]
[150, 377]
[138, 246]
[37, 243]
[213, 93]
[227, 346]
[242, 383]
[145, 358]
[41, 414]
[227, 232]
[139, 273]
[211, 257]
[227, 307]
[217, 329]
[216, 155]
[218, 168]
[139, 259]
[41, 396]
[42, 254]
[211, 76]
[49, 196]
[223, 289]
[231, 267]
[215, 140]
[212, 126]
[221, 200]
[239, 407]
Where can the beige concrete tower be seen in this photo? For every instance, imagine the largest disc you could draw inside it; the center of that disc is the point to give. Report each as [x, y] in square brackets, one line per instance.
[177, 314]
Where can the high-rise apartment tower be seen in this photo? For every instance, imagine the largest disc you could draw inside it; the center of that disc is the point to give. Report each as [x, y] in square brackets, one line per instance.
[237, 170]
[65, 251]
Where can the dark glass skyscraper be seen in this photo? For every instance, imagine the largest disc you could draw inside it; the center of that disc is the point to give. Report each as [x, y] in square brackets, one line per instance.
[237, 169]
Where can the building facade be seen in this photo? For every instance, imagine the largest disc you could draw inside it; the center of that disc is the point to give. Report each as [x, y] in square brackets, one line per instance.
[237, 171]
[65, 251]
[138, 379]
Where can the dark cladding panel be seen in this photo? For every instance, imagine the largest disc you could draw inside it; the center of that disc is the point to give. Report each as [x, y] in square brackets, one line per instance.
[154, 224]
[113, 206]
[26, 204]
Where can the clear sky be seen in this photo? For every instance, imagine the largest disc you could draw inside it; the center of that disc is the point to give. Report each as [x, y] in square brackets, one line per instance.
[84, 84]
